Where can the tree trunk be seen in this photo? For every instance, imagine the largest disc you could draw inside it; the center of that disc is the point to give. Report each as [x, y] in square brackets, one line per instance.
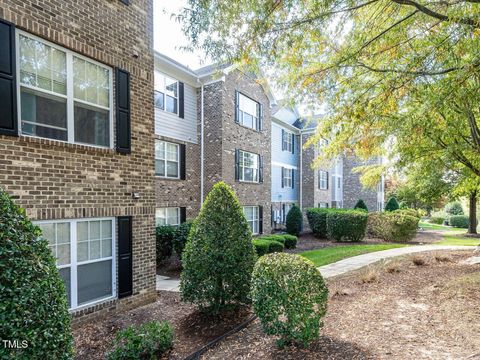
[472, 225]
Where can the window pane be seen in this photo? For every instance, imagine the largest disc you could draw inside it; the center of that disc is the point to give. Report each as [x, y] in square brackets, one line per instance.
[63, 233]
[82, 251]
[248, 212]
[160, 217]
[172, 152]
[43, 115]
[160, 167]
[91, 82]
[94, 230]
[106, 229]
[95, 247]
[94, 281]
[159, 149]
[103, 79]
[65, 275]
[106, 248]
[63, 254]
[248, 105]
[172, 169]
[172, 216]
[48, 232]
[171, 104]
[159, 100]
[171, 87]
[92, 126]
[248, 120]
[82, 231]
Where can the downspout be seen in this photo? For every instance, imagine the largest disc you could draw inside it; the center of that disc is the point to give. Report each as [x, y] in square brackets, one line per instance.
[300, 166]
[202, 146]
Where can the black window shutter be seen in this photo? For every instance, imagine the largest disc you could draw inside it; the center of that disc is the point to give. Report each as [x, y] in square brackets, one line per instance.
[326, 174]
[260, 219]
[283, 214]
[283, 139]
[181, 101]
[260, 117]
[182, 162]
[183, 215]
[283, 177]
[319, 179]
[237, 164]
[293, 178]
[126, 2]
[293, 143]
[260, 169]
[237, 106]
[8, 87]
[123, 111]
[125, 261]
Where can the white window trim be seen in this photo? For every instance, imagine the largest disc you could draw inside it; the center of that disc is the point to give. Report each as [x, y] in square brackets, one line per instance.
[287, 175]
[323, 182]
[256, 217]
[74, 263]
[242, 167]
[178, 160]
[166, 217]
[163, 91]
[256, 120]
[287, 139]
[69, 96]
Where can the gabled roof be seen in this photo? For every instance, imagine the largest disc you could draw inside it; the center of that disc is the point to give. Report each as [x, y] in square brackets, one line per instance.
[308, 124]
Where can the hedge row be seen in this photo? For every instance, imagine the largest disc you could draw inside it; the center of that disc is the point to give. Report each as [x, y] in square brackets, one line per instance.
[274, 243]
[171, 238]
[459, 221]
[392, 226]
[338, 224]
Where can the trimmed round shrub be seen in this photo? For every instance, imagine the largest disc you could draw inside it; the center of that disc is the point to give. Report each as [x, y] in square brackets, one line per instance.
[392, 204]
[164, 241]
[346, 225]
[289, 296]
[406, 211]
[181, 237]
[219, 256]
[275, 246]
[392, 226]
[454, 208]
[294, 221]
[261, 246]
[290, 241]
[436, 220]
[33, 301]
[317, 220]
[360, 205]
[459, 221]
[148, 341]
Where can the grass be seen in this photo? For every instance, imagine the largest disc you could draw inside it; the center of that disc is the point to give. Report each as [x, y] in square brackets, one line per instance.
[428, 226]
[330, 255]
[458, 240]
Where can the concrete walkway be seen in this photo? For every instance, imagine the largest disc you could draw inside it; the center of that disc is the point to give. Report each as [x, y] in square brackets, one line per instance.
[342, 266]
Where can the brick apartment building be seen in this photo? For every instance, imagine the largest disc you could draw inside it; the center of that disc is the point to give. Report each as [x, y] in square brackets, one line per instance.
[77, 144]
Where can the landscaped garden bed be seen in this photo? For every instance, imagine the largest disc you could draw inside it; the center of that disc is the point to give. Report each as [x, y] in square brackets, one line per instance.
[192, 329]
[395, 309]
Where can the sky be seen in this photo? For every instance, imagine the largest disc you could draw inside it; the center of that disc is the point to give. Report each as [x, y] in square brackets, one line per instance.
[168, 36]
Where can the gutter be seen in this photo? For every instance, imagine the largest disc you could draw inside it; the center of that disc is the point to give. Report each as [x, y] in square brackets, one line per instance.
[202, 147]
[300, 165]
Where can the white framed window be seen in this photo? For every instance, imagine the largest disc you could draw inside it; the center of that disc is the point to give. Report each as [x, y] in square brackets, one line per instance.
[287, 141]
[322, 180]
[84, 249]
[248, 113]
[166, 93]
[249, 165]
[167, 216]
[63, 95]
[252, 215]
[167, 159]
[287, 177]
[323, 205]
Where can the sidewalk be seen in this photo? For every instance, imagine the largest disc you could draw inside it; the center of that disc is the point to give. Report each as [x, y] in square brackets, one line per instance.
[342, 266]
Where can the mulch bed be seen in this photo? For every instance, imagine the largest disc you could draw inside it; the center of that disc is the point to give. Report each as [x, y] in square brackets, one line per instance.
[394, 310]
[192, 328]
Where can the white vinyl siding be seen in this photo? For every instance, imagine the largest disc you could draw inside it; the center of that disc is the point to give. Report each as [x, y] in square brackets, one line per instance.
[252, 215]
[171, 125]
[84, 249]
[167, 216]
[63, 95]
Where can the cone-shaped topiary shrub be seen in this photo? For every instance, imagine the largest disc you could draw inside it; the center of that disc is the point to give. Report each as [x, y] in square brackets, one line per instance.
[219, 256]
[294, 221]
[33, 302]
[360, 205]
[392, 204]
[290, 297]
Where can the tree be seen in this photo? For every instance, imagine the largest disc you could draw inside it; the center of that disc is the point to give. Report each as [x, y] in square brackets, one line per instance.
[219, 255]
[392, 204]
[33, 302]
[361, 205]
[454, 208]
[294, 221]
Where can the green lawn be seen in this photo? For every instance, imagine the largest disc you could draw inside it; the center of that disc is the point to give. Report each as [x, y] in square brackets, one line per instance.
[458, 240]
[428, 226]
[330, 255]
